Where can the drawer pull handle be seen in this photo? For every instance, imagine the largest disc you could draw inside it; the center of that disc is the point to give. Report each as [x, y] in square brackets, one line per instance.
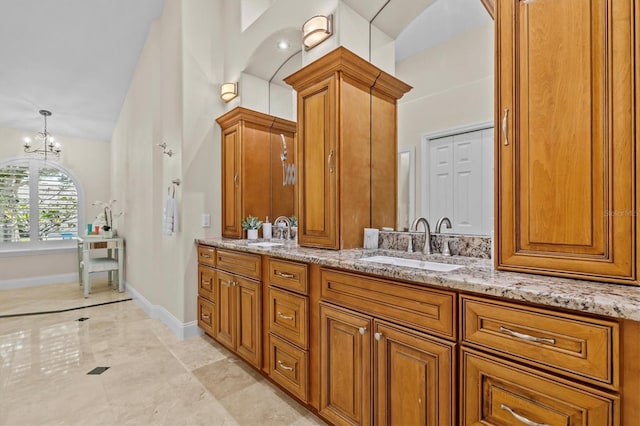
[329, 158]
[527, 337]
[206, 282]
[205, 255]
[362, 330]
[504, 126]
[520, 418]
[377, 336]
[284, 274]
[236, 179]
[283, 316]
[284, 366]
[205, 317]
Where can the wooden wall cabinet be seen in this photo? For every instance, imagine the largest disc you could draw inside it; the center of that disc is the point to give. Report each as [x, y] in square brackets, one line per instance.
[252, 173]
[347, 149]
[566, 159]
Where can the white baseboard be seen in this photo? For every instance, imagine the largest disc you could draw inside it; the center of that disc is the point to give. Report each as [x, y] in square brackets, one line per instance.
[180, 329]
[38, 281]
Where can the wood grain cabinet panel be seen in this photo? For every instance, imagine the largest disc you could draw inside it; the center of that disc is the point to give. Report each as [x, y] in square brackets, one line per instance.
[347, 149]
[246, 264]
[289, 275]
[407, 304]
[566, 149]
[579, 347]
[288, 316]
[496, 392]
[206, 316]
[238, 320]
[288, 366]
[206, 282]
[248, 181]
[414, 379]
[206, 255]
[345, 366]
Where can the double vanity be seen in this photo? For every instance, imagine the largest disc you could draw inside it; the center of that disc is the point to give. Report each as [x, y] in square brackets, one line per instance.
[366, 336]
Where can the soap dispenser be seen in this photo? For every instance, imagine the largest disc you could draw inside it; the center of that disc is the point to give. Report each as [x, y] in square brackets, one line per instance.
[266, 229]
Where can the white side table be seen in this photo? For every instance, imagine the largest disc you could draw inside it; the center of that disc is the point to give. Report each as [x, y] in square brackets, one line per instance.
[114, 261]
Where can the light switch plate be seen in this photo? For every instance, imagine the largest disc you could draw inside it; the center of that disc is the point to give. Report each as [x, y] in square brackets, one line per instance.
[206, 220]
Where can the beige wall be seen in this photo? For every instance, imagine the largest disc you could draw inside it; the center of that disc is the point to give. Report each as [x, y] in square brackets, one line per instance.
[89, 161]
[452, 87]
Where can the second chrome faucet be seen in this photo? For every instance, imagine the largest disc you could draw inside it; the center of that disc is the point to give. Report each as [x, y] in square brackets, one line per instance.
[427, 233]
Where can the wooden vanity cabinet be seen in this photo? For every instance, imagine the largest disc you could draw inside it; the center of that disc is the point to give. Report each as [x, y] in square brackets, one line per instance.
[250, 140]
[566, 152]
[347, 145]
[526, 365]
[373, 371]
[229, 301]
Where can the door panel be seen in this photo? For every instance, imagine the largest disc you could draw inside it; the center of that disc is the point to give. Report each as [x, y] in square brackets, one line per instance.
[249, 321]
[566, 163]
[345, 366]
[231, 194]
[226, 311]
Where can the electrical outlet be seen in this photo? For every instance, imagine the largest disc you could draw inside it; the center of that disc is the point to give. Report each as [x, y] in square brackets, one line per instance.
[206, 220]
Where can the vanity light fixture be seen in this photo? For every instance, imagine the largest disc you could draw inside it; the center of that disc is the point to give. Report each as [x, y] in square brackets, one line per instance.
[228, 91]
[316, 30]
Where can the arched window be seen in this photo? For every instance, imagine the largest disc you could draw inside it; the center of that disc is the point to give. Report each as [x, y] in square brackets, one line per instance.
[39, 202]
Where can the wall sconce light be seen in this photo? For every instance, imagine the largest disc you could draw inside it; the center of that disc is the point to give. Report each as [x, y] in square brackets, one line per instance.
[228, 91]
[316, 30]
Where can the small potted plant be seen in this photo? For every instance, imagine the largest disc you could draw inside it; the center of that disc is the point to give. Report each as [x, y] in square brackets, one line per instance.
[251, 224]
[294, 227]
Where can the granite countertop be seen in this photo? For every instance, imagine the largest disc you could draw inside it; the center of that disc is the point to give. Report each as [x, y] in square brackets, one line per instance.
[476, 276]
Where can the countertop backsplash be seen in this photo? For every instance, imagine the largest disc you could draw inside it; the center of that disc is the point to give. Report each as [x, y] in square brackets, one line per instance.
[459, 245]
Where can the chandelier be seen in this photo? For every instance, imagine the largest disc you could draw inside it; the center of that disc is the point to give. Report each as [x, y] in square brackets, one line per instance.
[49, 145]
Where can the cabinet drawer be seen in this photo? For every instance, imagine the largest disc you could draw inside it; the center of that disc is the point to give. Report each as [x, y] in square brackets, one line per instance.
[289, 275]
[495, 392]
[288, 367]
[207, 255]
[288, 316]
[206, 280]
[206, 316]
[580, 347]
[241, 263]
[406, 304]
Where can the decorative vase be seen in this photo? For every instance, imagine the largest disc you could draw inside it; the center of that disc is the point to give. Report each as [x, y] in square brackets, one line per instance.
[252, 234]
[107, 234]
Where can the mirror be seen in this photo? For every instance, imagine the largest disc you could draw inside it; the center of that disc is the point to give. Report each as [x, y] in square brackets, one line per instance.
[406, 187]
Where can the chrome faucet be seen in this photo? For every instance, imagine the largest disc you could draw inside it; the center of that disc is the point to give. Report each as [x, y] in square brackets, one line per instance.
[427, 233]
[287, 222]
[442, 220]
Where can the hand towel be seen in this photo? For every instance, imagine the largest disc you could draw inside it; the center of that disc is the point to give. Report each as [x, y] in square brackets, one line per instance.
[170, 216]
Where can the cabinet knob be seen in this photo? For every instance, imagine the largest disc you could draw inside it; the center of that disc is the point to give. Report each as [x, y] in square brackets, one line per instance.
[377, 336]
[362, 330]
[520, 418]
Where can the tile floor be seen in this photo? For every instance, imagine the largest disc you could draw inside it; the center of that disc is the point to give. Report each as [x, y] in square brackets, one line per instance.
[153, 377]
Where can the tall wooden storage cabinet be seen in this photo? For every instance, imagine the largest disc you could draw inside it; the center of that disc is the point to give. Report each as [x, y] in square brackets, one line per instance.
[346, 149]
[251, 145]
[566, 150]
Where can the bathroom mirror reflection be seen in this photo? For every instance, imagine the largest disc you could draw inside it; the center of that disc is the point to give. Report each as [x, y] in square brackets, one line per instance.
[406, 187]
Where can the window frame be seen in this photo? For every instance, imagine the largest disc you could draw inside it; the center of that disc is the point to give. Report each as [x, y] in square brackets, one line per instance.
[37, 246]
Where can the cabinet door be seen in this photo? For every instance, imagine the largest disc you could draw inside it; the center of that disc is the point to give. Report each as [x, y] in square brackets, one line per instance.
[565, 149]
[249, 325]
[345, 366]
[413, 379]
[226, 309]
[318, 163]
[231, 189]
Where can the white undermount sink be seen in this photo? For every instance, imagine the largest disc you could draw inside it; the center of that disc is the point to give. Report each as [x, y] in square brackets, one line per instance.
[412, 263]
[265, 244]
